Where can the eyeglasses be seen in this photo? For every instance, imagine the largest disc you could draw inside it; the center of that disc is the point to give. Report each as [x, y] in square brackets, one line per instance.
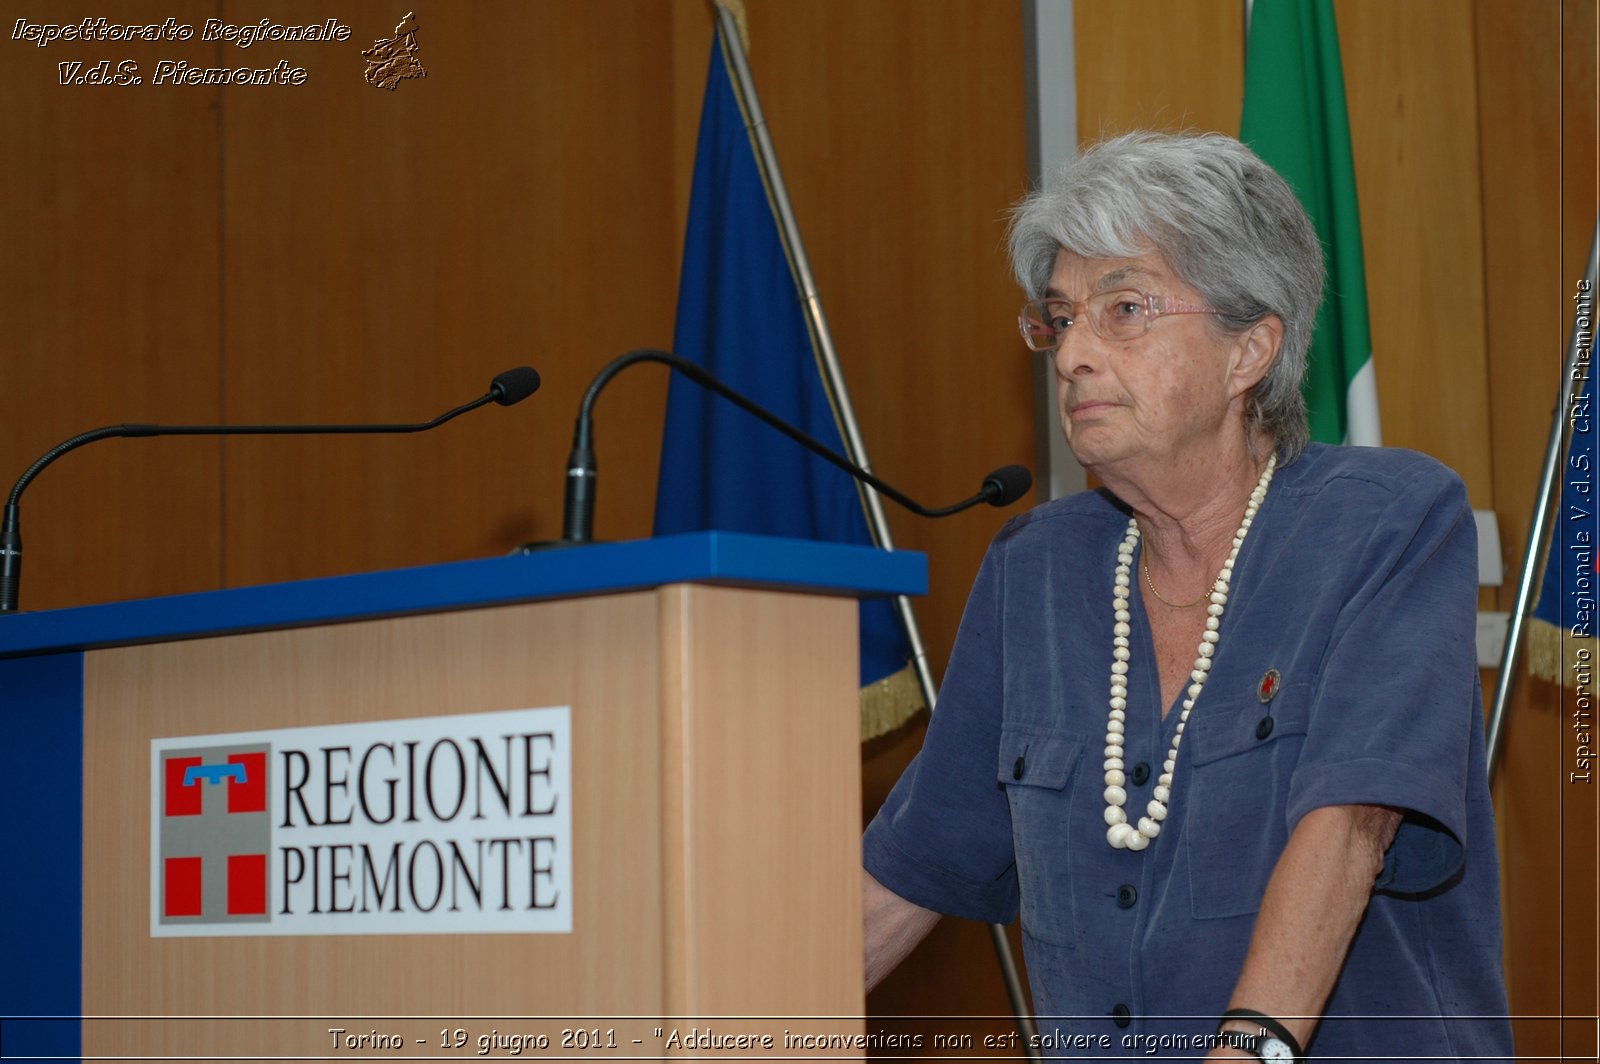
[1124, 314]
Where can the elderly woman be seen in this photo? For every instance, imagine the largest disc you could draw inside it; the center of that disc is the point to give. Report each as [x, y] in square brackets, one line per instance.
[1216, 726]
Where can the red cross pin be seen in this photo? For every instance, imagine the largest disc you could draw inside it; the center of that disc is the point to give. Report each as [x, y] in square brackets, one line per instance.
[1269, 685]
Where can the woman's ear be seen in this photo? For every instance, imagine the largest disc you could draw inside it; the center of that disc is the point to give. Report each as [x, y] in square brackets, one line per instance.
[1255, 353]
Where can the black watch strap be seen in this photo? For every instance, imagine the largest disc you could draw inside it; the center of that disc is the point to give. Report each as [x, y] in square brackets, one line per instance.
[1268, 1024]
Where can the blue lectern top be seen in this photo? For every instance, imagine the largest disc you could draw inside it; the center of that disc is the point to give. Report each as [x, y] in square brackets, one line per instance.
[697, 557]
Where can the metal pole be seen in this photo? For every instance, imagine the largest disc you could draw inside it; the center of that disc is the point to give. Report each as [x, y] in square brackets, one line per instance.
[1538, 538]
[855, 448]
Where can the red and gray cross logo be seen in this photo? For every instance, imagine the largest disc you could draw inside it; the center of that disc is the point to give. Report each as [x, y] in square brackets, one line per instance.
[215, 835]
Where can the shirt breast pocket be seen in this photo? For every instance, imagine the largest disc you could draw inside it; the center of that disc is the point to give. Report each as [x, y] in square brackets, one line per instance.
[1241, 759]
[1039, 771]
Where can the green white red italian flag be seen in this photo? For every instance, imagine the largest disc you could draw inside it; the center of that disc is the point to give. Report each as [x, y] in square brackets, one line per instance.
[1295, 118]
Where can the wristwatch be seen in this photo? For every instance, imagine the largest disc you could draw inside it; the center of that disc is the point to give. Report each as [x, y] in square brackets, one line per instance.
[1274, 1045]
[1268, 1049]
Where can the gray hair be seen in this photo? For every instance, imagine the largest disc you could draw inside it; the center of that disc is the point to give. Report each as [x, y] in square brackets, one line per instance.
[1223, 220]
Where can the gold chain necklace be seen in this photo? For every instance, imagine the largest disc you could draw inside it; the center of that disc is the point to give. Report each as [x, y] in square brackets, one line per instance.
[1175, 605]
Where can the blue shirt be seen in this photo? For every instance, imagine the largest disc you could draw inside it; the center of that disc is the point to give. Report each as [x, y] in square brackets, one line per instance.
[1358, 584]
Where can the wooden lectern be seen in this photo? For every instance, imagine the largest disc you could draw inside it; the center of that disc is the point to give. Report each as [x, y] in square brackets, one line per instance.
[709, 769]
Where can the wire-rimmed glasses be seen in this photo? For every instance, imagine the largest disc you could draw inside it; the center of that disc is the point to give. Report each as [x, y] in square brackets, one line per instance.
[1122, 314]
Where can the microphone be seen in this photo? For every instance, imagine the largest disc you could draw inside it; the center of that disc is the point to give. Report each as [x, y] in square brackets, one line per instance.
[1000, 488]
[512, 386]
[1006, 485]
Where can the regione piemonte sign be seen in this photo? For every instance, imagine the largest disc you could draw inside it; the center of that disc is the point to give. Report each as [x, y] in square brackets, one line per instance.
[459, 824]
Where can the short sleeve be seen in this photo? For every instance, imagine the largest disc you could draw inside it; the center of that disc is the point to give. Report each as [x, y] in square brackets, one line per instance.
[943, 837]
[1397, 696]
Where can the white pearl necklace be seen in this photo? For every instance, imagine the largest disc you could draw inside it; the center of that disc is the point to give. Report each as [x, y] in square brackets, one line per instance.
[1121, 834]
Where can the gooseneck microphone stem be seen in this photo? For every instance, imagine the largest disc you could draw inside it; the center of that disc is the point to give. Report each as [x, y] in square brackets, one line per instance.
[111, 431]
[1000, 488]
[510, 387]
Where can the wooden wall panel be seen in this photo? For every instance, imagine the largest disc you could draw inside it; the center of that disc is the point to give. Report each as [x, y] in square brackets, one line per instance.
[1146, 64]
[1580, 187]
[899, 127]
[1526, 306]
[388, 252]
[107, 294]
[1579, 853]
[1537, 116]
[1415, 136]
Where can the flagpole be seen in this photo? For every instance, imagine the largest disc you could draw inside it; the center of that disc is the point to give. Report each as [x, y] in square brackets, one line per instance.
[855, 447]
[1538, 538]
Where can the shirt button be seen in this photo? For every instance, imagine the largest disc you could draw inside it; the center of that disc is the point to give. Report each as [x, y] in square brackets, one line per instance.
[1016, 770]
[1140, 774]
[1121, 1015]
[1126, 896]
[1263, 727]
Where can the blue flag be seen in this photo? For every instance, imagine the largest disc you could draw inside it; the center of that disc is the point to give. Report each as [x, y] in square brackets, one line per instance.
[1561, 639]
[740, 316]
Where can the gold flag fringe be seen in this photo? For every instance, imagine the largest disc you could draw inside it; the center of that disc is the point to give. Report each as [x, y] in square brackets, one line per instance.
[889, 703]
[1555, 654]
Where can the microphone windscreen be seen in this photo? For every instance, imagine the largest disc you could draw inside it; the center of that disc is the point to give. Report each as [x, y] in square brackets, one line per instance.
[1005, 486]
[514, 385]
